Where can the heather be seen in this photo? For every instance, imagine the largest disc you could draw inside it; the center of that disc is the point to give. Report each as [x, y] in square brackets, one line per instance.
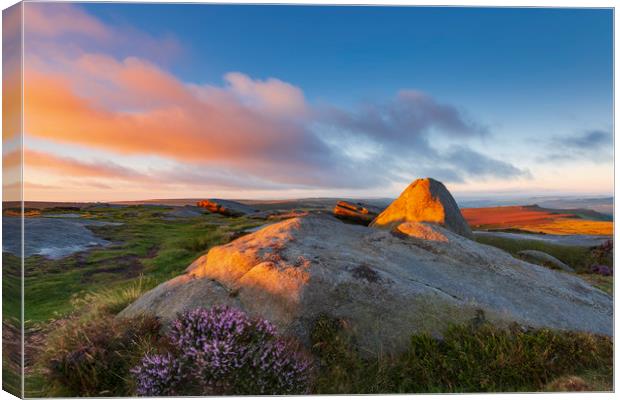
[223, 351]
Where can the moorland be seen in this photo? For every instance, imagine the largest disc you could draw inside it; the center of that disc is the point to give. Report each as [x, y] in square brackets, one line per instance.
[76, 345]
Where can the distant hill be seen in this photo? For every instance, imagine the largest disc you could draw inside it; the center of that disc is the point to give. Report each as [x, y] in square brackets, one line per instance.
[603, 205]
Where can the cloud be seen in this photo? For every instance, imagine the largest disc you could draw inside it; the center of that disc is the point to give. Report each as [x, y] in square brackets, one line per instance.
[477, 165]
[592, 145]
[592, 140]
[61, 28]
[411, 115]
[243, 132]
[61, 20]
[214, 128]
[67, 166]
[271, 96]
[170, 176]
[401, 137]
[11, 72]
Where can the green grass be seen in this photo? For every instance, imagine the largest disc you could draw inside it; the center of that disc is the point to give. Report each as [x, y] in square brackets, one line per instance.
[11, 324]
[605, 283]
[574, 256]
[11, 286]
[98, 284]
[468, 358]
[145, 244]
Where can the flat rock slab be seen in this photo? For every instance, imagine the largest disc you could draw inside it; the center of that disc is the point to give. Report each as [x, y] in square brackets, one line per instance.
[53, 238]
[386, 284]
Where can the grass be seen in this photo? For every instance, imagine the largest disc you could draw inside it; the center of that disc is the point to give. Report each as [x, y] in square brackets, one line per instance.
[80, 294]
[469, 358]
[11, 324]
[94, 357]
[101, 282]
[147, 245]
[577, 257]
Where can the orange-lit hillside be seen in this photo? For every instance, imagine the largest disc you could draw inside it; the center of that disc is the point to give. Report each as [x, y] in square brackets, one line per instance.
[534, 219]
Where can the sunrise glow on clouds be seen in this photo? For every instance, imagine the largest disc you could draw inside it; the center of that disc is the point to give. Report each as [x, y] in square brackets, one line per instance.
[102, 127]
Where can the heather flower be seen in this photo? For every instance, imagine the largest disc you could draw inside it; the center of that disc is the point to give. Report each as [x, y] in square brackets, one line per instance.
[158, 375]
[223, 351]
[601, 270]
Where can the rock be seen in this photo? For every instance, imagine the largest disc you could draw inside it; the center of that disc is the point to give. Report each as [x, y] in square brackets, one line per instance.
[228, 208]
[425, 200]
[421, 230]
[542, 258]
[356, 212]
[386, 285]
[277, 214]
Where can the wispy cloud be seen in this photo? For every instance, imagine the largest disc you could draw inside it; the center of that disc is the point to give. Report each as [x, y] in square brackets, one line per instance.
[592, 145]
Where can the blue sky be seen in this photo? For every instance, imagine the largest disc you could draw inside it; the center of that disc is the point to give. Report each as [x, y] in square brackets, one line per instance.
[347, 53]
[528, 89]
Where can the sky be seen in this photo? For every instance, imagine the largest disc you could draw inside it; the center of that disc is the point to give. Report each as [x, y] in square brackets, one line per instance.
[144, 101]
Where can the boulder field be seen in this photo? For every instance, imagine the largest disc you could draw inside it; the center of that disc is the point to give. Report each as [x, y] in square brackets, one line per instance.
[415, 276]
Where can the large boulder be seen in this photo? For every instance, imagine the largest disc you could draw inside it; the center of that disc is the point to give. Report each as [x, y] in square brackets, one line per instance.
[228, 208]
[359, 213]
[424, 200]
[388, 285]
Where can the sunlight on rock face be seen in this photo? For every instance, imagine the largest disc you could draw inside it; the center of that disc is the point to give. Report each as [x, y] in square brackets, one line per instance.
[229, 266]
[255, 264]
[425, 200]
[421, 231]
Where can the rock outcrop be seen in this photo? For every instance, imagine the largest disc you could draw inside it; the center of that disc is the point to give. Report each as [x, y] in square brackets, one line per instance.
[228, 208]
[419, 277]
[359, 213]
[425, 200]
[542, 258]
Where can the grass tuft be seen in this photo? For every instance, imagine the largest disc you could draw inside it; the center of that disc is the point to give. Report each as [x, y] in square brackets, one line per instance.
[93, 357]
[111, 300]
[469, 358]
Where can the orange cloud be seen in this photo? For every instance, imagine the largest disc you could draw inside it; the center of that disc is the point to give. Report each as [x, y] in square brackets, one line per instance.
[74, 168]
[166, 117]
[11, 160]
